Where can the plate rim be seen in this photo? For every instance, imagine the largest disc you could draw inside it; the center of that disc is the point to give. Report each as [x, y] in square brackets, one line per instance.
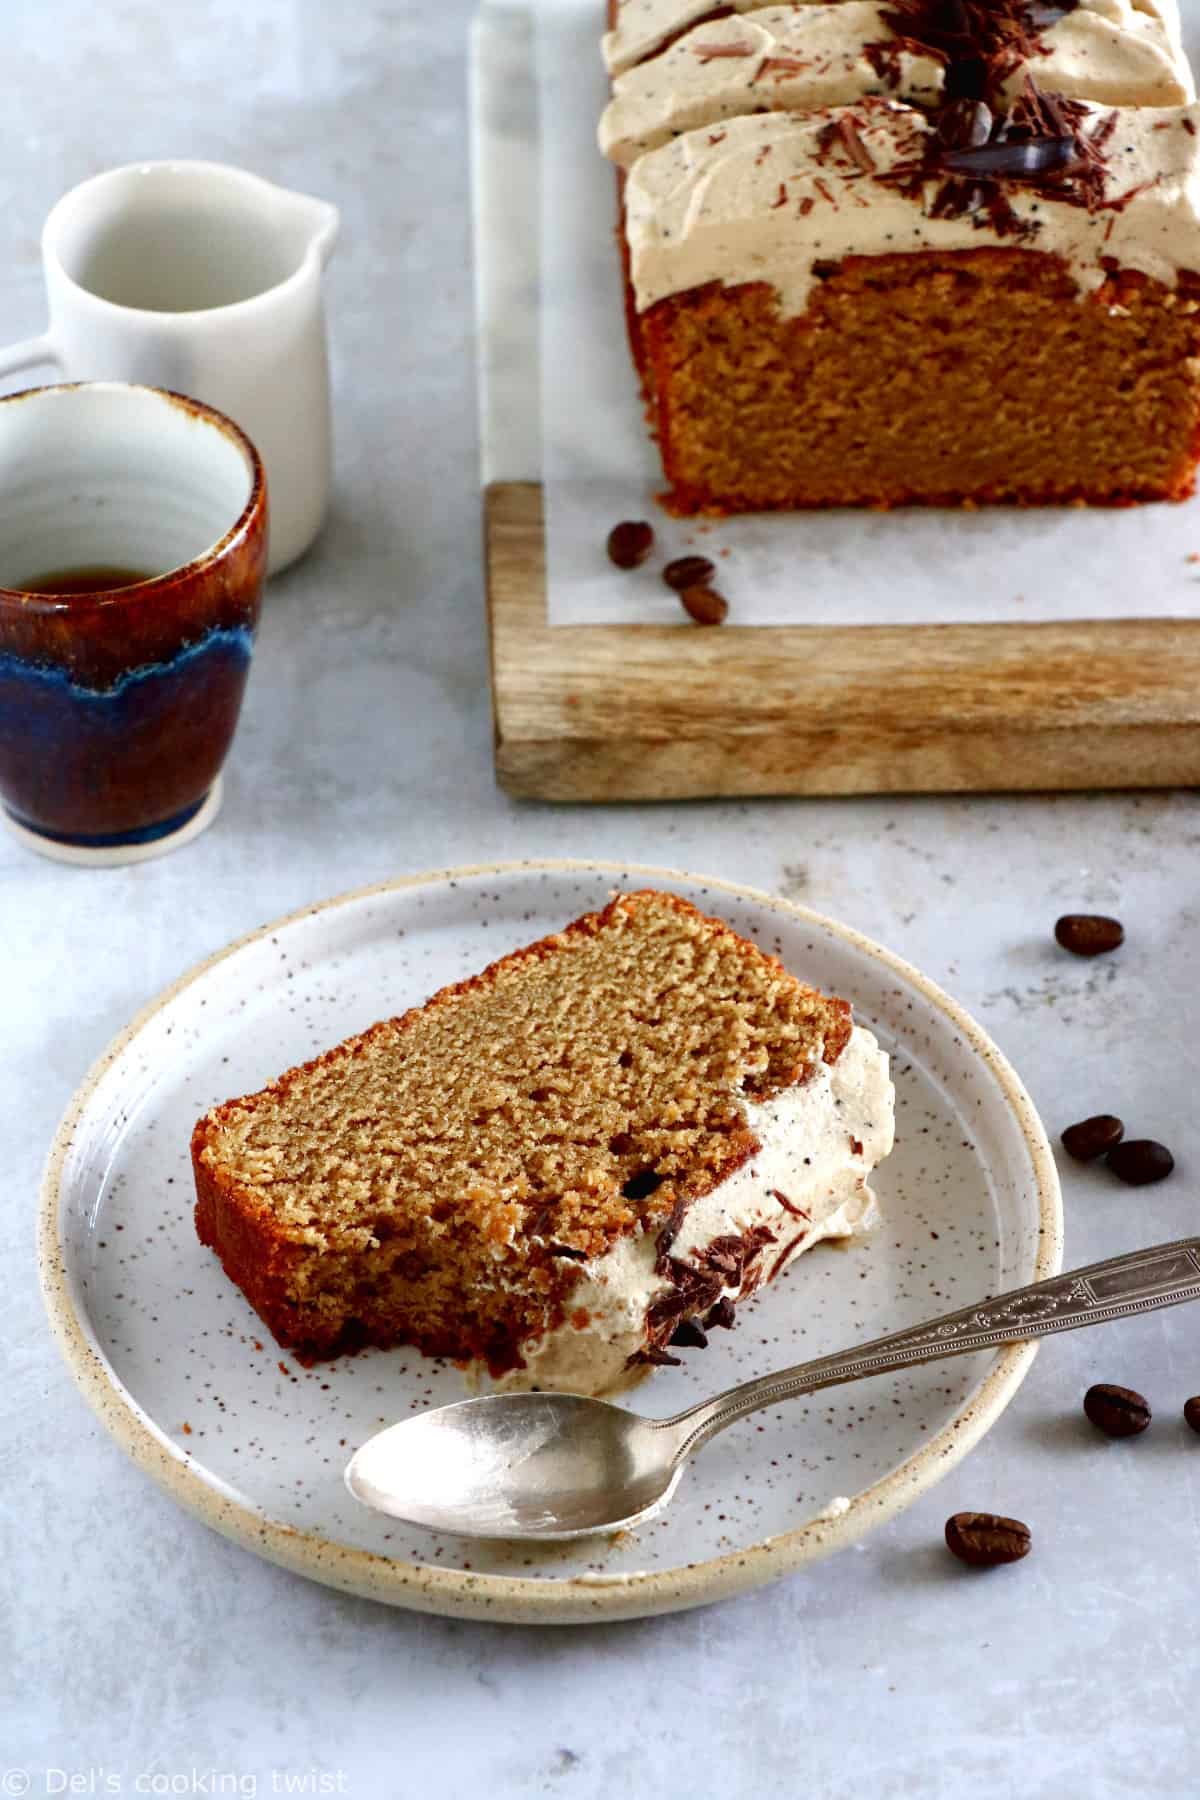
[520, 1598]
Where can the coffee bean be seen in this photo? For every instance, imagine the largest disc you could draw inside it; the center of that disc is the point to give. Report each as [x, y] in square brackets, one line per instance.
[1089, 934]
[689, 571]
[1092, 1137]
[985, 1539]
[630, 543]
[704, 604]
[1139, 1161]
[1116, 1411]
[1191, 1412]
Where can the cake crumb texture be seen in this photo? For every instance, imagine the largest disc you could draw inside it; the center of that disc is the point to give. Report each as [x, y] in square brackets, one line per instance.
[990, 379]
[440, 1179]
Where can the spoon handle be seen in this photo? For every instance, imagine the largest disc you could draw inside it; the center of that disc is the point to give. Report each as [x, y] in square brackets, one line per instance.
[1140, 1282]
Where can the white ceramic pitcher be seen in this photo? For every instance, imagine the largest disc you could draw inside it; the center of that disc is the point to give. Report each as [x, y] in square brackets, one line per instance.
[204, 279]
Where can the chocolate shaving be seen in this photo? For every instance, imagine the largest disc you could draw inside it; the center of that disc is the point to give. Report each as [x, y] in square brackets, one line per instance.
[781, 65]
[984, 143]
[688, 1335]
[965, 123]
[710, 52]
[797, 1212]
[653, 1353]
[695, 1295]
[722, 1314]
[668, 1232]
[1120, 201]
[727, 1256]
[787, 1250]
[1014, 161]
[887, 58]
[1106, 128]
[730, 1254]
[699, 1287]
[855, 148]
[980, 42]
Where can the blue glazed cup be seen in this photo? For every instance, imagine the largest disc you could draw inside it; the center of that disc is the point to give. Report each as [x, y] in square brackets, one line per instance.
[118, 705]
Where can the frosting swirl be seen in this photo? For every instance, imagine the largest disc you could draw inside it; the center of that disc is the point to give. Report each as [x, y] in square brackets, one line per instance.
[645, 27]
[782, 58]
[782, 193]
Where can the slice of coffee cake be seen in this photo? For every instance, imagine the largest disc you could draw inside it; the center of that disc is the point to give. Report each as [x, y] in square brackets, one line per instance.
[552, 1168]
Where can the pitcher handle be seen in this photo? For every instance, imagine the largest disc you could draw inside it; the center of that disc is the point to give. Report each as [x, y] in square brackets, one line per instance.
[29, 354]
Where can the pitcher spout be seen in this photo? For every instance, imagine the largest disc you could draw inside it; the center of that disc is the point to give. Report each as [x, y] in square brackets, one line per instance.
[319, 220]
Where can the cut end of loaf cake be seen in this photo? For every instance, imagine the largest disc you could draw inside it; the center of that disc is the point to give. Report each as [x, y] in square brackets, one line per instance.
[445, 1178]
[876, 256]
[993, 381]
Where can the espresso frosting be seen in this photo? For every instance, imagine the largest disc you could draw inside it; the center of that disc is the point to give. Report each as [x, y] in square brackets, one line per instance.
[817, 1144]
[1114, 53]
[644, 27]
[782, 58]
[801, 58]
[782, 193]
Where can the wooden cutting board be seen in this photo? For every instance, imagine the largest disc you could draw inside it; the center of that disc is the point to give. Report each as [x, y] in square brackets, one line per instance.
[650, 712]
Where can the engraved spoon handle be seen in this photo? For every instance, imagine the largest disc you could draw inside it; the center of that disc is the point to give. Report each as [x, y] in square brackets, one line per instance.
[1165, 1275]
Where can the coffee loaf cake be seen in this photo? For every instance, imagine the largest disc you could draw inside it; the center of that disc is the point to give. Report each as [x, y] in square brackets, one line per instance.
[548, 1170]
[911, 252]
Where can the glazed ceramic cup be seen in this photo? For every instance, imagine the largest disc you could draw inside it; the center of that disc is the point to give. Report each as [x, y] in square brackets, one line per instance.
[206, 280]
[117, 708]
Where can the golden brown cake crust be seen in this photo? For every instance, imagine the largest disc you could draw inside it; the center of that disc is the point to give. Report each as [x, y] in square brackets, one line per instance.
[351, 1203]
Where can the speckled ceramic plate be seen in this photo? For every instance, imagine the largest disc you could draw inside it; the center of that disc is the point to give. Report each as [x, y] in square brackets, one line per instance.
[189, 1382]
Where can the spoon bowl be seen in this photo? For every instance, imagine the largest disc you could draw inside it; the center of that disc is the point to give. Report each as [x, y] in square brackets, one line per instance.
[517, 1465]
[562, 1466]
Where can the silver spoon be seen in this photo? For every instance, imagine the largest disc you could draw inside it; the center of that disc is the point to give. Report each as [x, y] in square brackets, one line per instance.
[530, 1465]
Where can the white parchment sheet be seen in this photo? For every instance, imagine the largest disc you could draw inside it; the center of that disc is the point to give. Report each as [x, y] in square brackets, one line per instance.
[598, 465]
